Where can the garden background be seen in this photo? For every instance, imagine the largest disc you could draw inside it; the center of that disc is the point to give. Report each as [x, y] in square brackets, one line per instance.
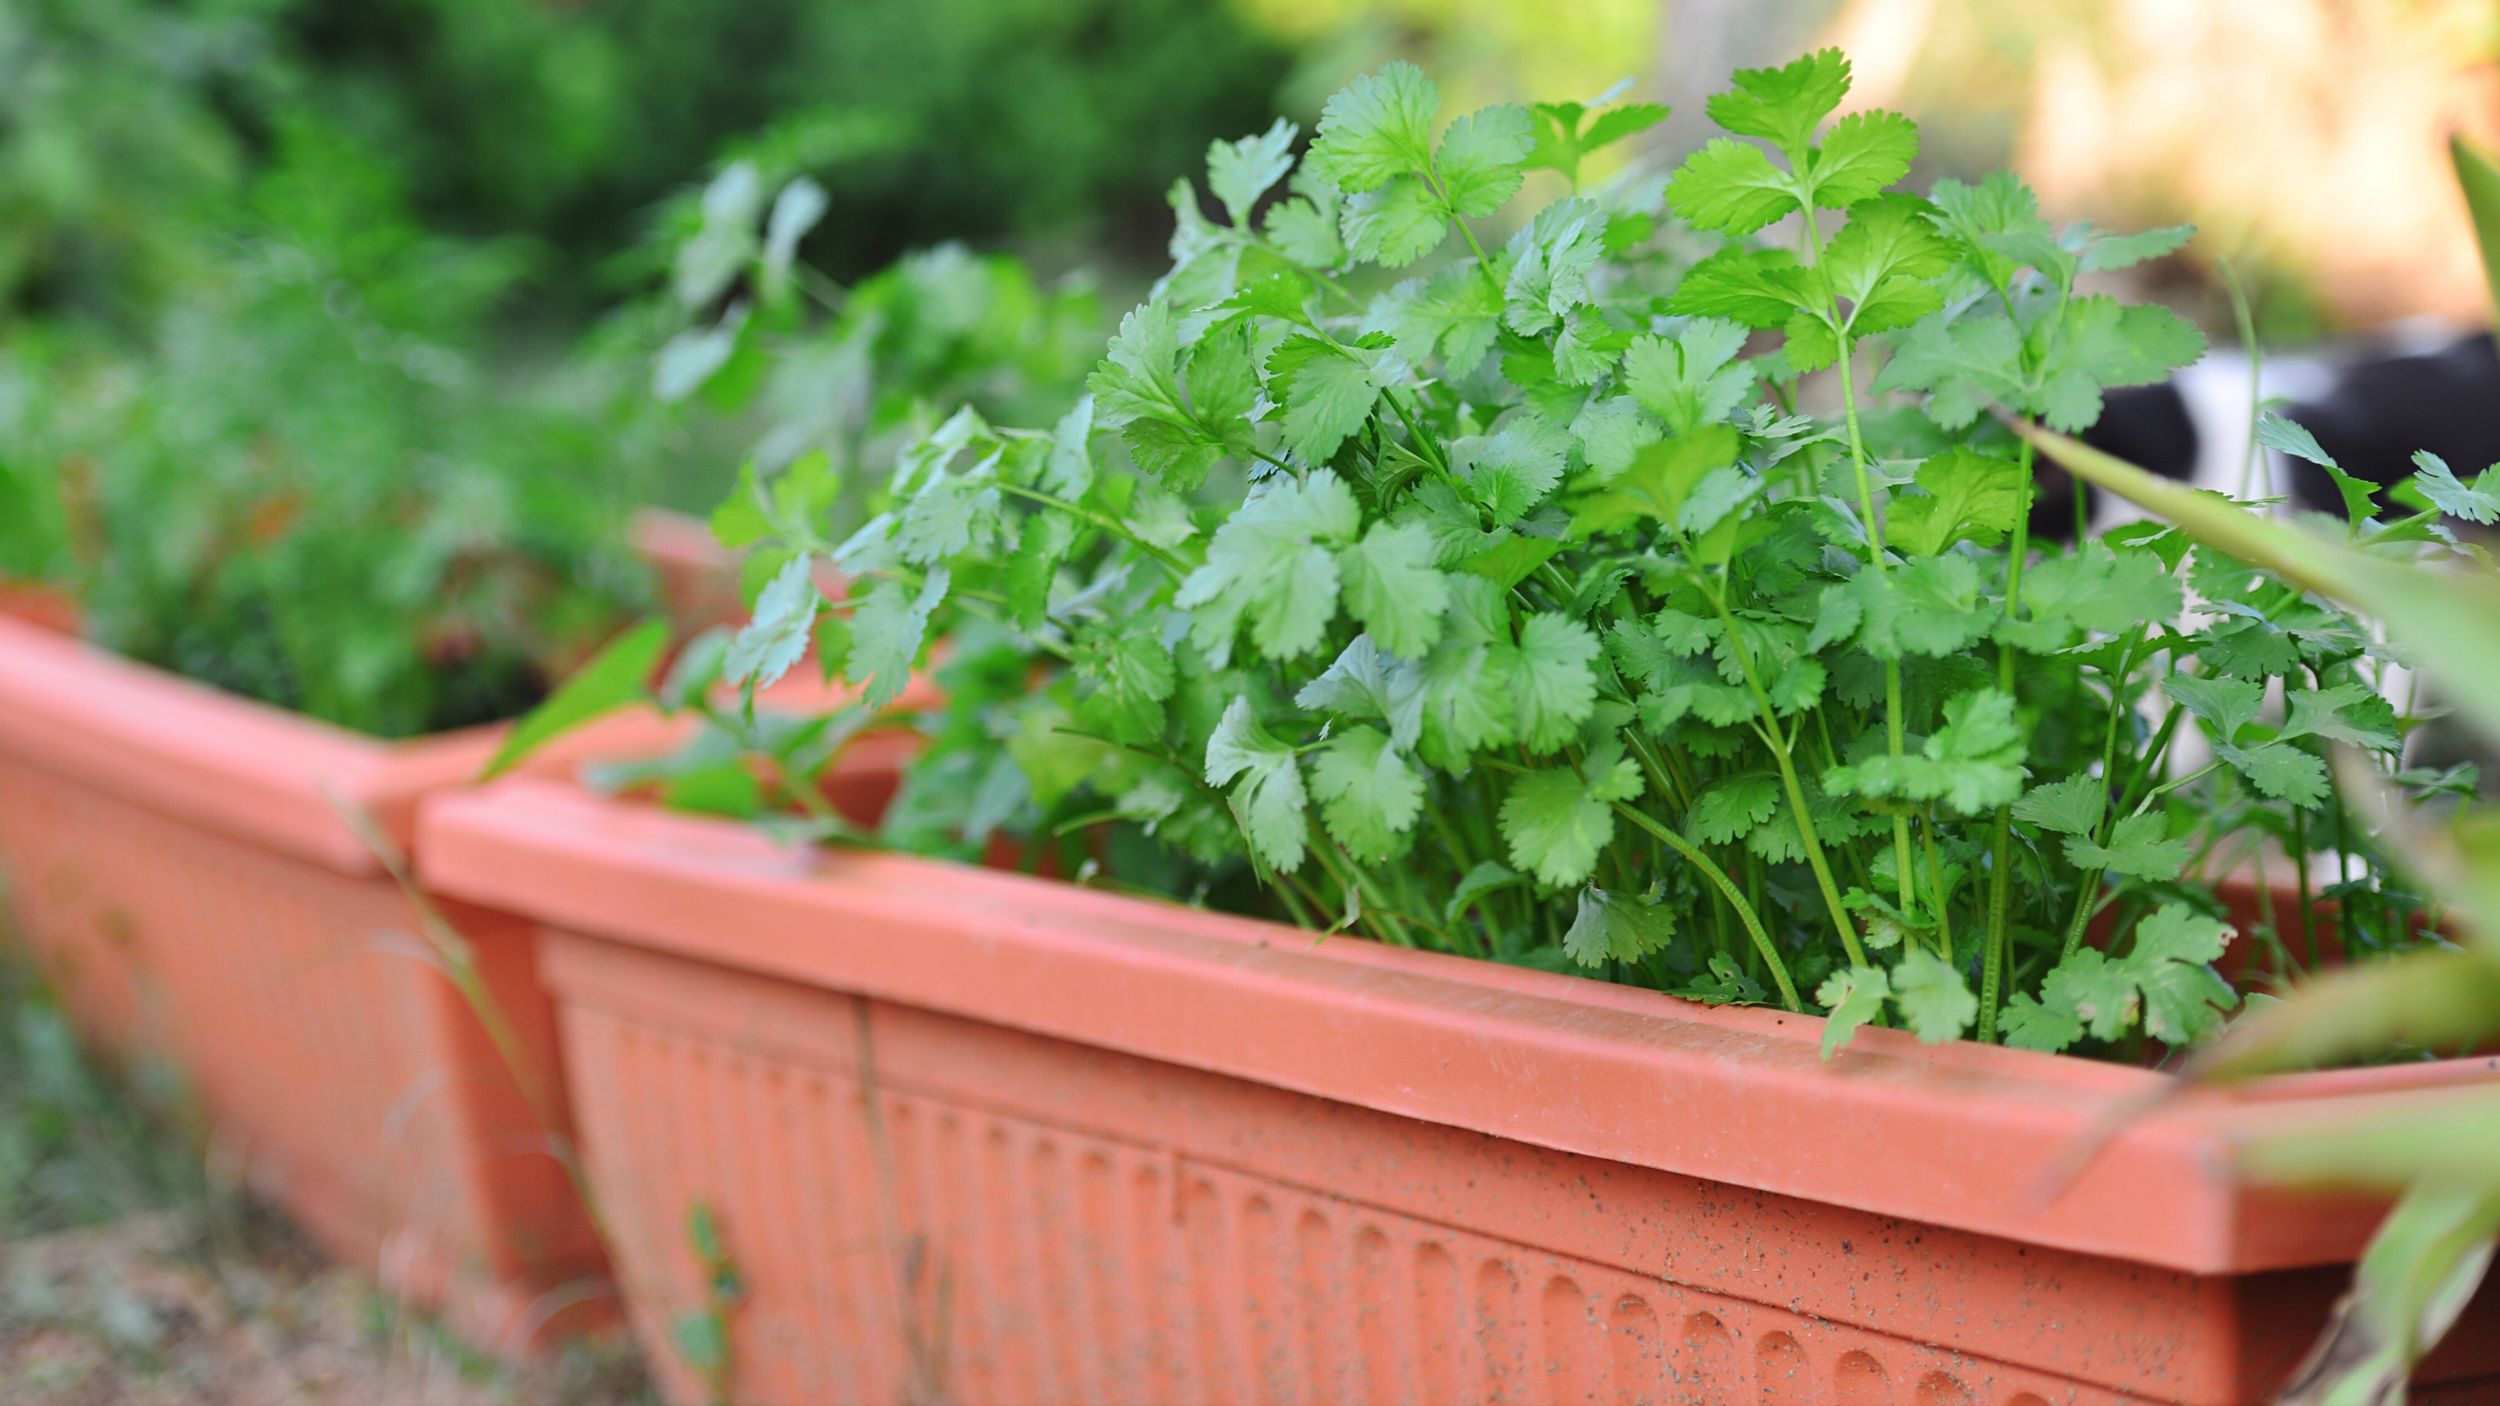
[346, 225]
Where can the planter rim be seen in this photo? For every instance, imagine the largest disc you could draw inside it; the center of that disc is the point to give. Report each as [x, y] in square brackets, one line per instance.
[239, 766]
[1957, 1135]
[262, 773]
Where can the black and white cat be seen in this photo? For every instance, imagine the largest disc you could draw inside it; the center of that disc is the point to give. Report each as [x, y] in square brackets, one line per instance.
[2370, 405]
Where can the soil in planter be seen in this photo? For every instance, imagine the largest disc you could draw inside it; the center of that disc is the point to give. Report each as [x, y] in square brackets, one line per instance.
[467, 678]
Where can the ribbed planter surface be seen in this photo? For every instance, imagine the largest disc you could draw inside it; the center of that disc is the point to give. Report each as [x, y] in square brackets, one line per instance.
[193, 872]
[988, 1138]
[184, 865]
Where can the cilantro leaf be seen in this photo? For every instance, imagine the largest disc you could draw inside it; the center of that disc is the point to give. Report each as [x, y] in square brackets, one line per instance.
[2139, 846]
[1692, 380]
[1732, 807]
[2170, 962]
[1965, 364]
[1274, 562]
[1269, 801]
[1861, 154]
[1396, 224]
[2346, 712]
[887, 631]
[1516, 468]
[2100, 343]
[1305, 228]
[1970, 498]
[2165, 976]
[1934, 999]
[1137, 390]
[1239, 172]
[1561, 143]
[1555, 687]
[1328, 394]
[1466, 679]
[1784, 105]
[1991, 218]
[2100, 996]
[2092, 588]
[1661, 481]
[1368, 794]
[1391, 586]
[2029, 1023]
[1617, 123]
[2070, 807]
[1973, 763]
[2104, 253]
[2288, 437]
[1068, 470]
[1981, 751]
[1486, 877]
[1730, 187]
[1557, 821]
[776, 636]
[1131, 673]
[1881, 263]
[1610, 925]
[1612, 431]
[1929, 606]
[2479, 502]
[2253, 649]
[1550, 263]
[2279, 770]
[1851, 997]
[1365, 683]
[1454, 313]
[1757, 287]
[2223, 705]
[1483, 157]
[1377, 128]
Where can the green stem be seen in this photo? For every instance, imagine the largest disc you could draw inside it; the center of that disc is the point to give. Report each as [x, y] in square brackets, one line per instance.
[2241, 314]
[2154, 755]
[1727, 889]
[1935, 880]
[1108, 524]
[2300, 881]
[1428, 448]
[2090, 886]
[1777, 741]
[1893, 730]
[1266, 458]
[2001, 870]
[1893, 742]
[999, 611]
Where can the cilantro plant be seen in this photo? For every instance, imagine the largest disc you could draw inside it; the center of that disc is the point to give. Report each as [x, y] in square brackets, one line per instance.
[761, 356]
[1646, 592]
[304, 483]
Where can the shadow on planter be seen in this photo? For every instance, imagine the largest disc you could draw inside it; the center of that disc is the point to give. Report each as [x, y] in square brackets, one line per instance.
[192, 871]
[988, 1137]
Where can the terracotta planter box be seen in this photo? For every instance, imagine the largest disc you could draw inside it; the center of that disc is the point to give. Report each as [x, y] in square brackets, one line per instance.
[181, 864]
[991, 1138]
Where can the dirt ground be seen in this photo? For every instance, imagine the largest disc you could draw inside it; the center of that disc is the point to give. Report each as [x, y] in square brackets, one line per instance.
[140, 1312]
[133, 1272]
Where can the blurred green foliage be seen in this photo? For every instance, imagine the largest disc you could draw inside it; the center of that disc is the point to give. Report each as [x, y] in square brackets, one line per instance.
[764, 357]
[78, 1145]
[290, 392]
[942, 118]
[302, 482]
